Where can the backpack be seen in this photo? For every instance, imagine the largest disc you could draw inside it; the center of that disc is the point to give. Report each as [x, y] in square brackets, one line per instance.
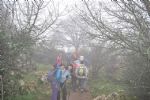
[58, 74]
[82, 71]
[54, 75]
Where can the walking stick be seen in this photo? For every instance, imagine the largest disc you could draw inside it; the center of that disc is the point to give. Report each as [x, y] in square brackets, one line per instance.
[1, 86]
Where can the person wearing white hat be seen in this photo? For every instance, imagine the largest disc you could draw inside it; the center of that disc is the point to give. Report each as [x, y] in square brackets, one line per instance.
[82, 74]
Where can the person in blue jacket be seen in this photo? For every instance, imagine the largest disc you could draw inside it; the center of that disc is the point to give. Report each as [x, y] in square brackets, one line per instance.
[63, 82]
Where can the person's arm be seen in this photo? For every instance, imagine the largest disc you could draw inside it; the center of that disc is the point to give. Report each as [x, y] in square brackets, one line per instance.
[87, 72]
[76, 72]
[50, 76]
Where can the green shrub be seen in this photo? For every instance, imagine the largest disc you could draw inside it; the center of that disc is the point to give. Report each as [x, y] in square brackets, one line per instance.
[100, 87]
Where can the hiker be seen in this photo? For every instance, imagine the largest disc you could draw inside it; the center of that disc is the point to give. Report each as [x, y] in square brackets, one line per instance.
[83, 61]
[54, 77]
[68, 58]
[74, 64]
[75, 55]
[58, 60]
[82, 75]
[54, 83]
[63, 82]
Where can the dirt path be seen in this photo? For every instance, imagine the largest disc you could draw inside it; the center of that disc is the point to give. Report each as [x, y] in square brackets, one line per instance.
[80, 96]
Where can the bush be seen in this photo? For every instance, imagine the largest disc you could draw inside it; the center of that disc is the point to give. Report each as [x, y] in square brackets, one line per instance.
[137, 76]
[106, 87]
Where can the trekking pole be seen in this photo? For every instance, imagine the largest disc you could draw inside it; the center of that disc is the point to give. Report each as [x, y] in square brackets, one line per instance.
[1, 86]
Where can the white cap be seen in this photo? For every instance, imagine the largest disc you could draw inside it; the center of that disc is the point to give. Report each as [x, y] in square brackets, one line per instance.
[81, 58]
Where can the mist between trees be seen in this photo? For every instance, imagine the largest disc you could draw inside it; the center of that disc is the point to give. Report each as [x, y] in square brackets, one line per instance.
[113, 36]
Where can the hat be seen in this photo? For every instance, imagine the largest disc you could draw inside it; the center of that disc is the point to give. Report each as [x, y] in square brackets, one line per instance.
[81, 58]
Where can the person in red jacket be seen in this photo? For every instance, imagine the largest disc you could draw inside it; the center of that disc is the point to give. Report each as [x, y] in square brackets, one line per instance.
[74, 63]
[59, 59]
[58, 62]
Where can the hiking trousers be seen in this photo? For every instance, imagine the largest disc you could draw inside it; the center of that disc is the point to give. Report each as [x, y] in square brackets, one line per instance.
[82, 83]
[63, 90]
[74, 83]
[55, 90]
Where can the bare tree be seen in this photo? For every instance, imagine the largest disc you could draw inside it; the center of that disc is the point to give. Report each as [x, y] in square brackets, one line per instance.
[125, 24]
[145, 2]
[31, 17]
[71, 32]
[22, 25]
[128, 28]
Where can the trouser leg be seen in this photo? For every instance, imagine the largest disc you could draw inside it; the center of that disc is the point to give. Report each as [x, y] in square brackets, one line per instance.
[74, 83]
[54, 91]
[58, 95]
[82, 83]
[85, 84]
[64, 94]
